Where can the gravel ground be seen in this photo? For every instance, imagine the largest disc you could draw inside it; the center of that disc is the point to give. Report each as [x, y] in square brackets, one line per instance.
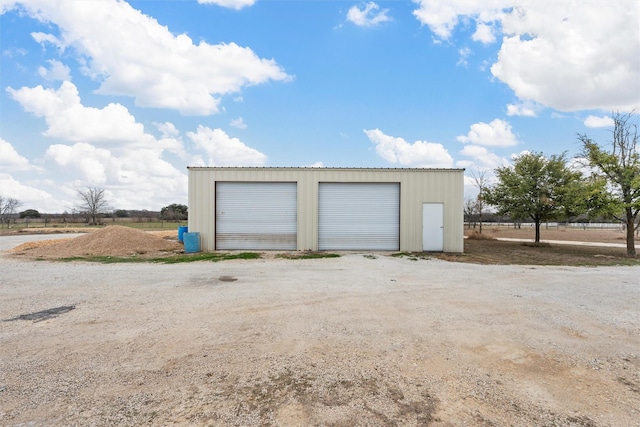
[114, 240]
[361, 340]
[10, 242]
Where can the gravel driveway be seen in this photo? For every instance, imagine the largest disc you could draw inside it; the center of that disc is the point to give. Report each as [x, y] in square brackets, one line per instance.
[10, 242]
[361, 340]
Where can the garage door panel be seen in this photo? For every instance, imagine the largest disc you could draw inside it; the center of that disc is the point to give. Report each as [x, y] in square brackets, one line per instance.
[256, 241]
[359, 216]
[256, 215]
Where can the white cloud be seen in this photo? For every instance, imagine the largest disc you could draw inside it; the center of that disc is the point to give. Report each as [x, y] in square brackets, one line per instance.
[598, 122]
[121, 167]
[231, 4]
[6, 5]
[136, 178]
[90, 161]
[316, 165]
[43, 38]
[495, 134]
[514, 156]
[485, 33]
[27, 195]
[68, 119]
[112, 126]
[557, 54]
[109, 149]
[10, 159]
[443, 16]
[56, 71]
[167, 129]
[483, 159]
[369, 16]
[464, 54]
[222, 150]
[522, 109]
[13, 52]
[174, 72]
[419, 154]
[170, 139]
[238, 123]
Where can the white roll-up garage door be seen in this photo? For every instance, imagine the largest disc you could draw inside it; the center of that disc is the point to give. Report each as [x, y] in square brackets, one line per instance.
[359, 216]
[256, 215]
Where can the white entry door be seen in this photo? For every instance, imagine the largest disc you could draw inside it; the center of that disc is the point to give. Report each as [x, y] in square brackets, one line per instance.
[432, 227]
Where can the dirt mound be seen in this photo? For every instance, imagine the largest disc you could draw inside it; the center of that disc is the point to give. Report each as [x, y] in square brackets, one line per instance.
[114, 240]
[27, 246]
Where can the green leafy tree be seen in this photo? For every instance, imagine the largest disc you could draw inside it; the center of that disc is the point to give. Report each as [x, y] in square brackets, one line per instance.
[121, 213]
[30, 213]
[618, 168]
[174, 211]
[538, 188]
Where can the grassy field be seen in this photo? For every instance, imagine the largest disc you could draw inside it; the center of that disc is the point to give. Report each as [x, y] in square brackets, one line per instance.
[22, 228]
[519, 253]
[488, 250]
[554, 233]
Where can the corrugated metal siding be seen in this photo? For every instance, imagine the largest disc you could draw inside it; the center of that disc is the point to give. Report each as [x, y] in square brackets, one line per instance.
[417, 186]
[256, 215]
[359, 216]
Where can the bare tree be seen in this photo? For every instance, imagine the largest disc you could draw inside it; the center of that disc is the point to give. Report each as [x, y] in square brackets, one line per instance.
[8, 206]
[92, 203]
[470, 206]
[619, 167]
[481, 182]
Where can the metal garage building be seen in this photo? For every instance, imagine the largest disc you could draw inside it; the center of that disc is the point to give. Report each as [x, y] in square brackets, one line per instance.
[327, 208]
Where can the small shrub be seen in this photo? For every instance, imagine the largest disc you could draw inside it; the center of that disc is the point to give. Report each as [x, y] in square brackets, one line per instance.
[480, 236]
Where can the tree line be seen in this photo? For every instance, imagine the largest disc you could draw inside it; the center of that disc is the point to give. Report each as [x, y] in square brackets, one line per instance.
[93, 207]
[604, 181]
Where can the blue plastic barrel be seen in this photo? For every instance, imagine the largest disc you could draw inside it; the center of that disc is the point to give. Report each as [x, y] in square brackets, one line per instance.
[191, 242]
[181, 230]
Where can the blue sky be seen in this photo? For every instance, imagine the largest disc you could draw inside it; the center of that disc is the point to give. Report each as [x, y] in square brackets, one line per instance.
[125, 95]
